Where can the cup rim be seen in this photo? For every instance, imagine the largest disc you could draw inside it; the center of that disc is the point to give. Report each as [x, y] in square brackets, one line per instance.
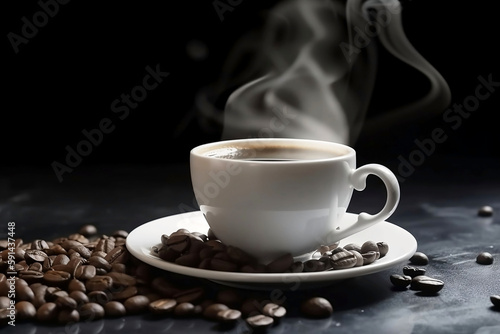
[199, 150]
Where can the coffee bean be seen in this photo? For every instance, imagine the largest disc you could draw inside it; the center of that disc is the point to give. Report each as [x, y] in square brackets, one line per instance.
[78, 237]
[66, 302]
[189, 260]
[56, 278]
[36, 266]
[76, 285]
[211, 311]
[114, 309]
[222, 265]
[162, 306]
[85, 272]
[369, 246]
[216, 245]
[105, 245]
[317, 307]
[413, 271]
[228, 316]
[117, 255]
[39, 244]
[99, 283]
[91, 311]
[178, 243]
[383, 248]
[99, 297]
[184, 310]
[419, 259]
[25, 310]
[163, 239]
[323, 249]
[200, 235]
[485, 211]
[99, 262]
[296, 267]
[47, 312]
[343, 260]
[136, 304]
[60, 259]
[259, 321]
[52, 293]
[122, 279]
[31, 276]
[400, 281]
[79, 296]
[495, 300]
[76, 246]
[88, 230]
[314, 265]
[66, 316]
[34, 255]
[189, 295]
[370, 257]
[426, 284]
[123, 293]
[359, 258]
[280, 264]
[120, 234]
[55, 250]
[274, 310]
[484, 258]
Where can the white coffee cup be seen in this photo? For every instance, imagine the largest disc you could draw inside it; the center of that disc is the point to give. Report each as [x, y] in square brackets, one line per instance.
[275, 196]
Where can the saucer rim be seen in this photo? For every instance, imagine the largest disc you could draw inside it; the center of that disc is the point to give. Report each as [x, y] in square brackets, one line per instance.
[136, 245]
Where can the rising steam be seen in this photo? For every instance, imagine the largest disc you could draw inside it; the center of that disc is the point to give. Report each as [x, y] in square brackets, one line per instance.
[315, 70]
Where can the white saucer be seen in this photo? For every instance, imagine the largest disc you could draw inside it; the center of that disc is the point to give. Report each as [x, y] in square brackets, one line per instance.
[402, 245]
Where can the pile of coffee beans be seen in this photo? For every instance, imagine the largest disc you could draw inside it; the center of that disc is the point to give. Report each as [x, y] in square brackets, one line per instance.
[85, 277]
[197, 250]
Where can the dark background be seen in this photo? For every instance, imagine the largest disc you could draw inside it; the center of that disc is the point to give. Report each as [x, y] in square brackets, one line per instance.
[65, 78]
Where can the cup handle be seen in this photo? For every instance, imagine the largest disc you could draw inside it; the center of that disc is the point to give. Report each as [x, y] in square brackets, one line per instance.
[358, 181]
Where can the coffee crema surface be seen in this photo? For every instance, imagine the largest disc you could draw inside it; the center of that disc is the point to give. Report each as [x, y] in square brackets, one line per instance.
[274, 153]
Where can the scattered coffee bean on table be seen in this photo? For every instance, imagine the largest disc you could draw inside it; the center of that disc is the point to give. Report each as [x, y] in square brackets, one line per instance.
[484, 258]
[316, 307]
[485, 211]
[400, 281]
[419, 259]
[413, 271]
[426, 284]
[495, 300]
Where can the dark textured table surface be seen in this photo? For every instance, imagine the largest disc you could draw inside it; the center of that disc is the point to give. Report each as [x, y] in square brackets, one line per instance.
[438, 208]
